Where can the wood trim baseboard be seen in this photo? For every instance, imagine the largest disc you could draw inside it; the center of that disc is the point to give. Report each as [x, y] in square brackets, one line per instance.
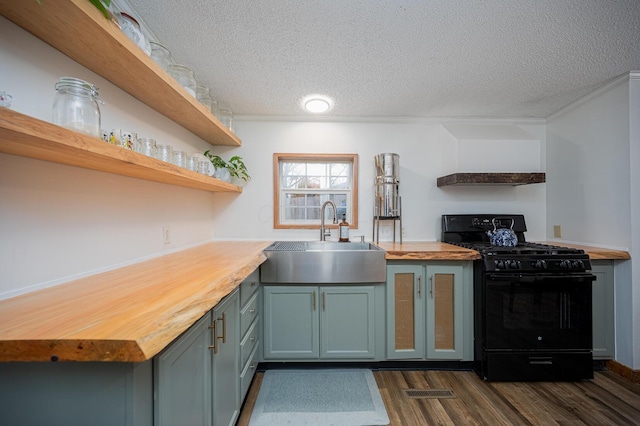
[627, 372]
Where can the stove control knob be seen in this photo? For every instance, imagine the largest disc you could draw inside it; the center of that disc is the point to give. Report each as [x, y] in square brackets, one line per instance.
[499, 264]
[565, 264]
[540, 264]
[577, 264]
[514, 264]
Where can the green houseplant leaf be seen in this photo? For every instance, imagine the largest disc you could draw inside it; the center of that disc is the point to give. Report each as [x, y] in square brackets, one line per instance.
[102, 6]
[238, 169]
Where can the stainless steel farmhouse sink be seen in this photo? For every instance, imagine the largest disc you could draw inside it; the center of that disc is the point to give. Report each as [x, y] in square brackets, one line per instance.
[323, 262]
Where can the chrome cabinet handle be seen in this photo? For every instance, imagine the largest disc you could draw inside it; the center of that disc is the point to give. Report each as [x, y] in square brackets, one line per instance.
[252, 311]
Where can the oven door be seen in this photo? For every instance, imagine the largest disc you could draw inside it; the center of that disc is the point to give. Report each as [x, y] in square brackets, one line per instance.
[537, 312]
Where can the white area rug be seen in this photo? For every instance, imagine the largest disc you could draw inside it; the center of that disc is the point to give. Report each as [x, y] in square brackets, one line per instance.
[319, 397]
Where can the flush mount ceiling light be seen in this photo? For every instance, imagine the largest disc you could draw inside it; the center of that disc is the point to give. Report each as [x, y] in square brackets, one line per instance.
[317, 104]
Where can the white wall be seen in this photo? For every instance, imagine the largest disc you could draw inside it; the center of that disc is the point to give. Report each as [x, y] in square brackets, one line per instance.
[593, 190]
[59, 222]
[419, 145]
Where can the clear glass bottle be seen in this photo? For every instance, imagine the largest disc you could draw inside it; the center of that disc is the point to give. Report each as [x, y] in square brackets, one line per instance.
[185, 76]
[75, 106]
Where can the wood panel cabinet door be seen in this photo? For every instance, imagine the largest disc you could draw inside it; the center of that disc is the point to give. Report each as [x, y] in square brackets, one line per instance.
[182, 383]
[291, 322]
[347, 326]
[405, 311]
[226, 362]
[444, 319]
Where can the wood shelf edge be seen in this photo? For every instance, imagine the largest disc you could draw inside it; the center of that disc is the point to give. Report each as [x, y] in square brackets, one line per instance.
[120, 61]
[33, 138]
[487, 179]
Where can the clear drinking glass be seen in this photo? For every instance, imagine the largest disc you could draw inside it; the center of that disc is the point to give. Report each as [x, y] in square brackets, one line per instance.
[180, 158]
[165, 153]
[147, 146]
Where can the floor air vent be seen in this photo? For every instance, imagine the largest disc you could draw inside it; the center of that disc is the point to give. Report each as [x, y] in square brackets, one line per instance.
[428, 393]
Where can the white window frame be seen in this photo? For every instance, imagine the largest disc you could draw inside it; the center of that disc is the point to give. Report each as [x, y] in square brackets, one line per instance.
[279, 193]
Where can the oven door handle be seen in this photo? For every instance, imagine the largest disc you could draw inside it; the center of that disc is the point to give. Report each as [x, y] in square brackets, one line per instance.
[538, 277]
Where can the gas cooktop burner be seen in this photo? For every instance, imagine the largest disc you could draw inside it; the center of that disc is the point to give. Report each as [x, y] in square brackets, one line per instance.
[470, 231]
[525, 248]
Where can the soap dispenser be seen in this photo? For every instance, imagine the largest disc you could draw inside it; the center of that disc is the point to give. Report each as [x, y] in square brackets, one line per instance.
[344, 230]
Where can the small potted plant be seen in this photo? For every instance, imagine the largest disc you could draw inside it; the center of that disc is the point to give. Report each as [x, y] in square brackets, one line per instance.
[234, 168]
[237, 169]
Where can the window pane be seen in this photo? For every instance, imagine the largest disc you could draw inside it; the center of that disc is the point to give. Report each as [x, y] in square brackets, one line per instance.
[305, 184]
[316, 169]
[339, 182]
[340, 169]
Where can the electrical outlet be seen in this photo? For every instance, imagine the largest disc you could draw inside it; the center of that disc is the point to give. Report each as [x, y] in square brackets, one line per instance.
[557, 231]
[166, 235]
[385, 232]
[404, 231]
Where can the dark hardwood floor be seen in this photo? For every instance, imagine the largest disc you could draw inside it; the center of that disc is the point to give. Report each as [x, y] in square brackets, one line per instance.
[608, 399]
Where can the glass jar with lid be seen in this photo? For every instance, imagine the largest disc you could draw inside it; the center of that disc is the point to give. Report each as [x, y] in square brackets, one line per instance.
[75, 106]
[204, 96]
[161, 55]
[185, 76]
[131, 28]
[226, 117]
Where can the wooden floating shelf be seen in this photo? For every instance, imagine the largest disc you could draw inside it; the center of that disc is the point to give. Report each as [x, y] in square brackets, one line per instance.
[78, 29]
[487, 179]
[29, 137]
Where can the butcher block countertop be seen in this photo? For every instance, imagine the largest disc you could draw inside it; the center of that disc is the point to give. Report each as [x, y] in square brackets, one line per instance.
[595, 253]
[129, 314]
[428, 250]
[433, 250]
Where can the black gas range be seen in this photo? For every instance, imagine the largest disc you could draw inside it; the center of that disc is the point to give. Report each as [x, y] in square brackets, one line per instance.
[532, 302]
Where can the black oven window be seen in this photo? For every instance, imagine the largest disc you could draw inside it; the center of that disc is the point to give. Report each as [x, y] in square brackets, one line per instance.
[531, 311]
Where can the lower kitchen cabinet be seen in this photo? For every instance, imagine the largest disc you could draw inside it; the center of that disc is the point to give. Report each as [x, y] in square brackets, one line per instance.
[603, 310]
[197, 377]
[337, 322]
[249, 330]
[76, 393]
[429, 311]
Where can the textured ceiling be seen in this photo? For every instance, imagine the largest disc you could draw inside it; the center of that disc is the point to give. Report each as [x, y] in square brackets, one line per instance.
[427, 58]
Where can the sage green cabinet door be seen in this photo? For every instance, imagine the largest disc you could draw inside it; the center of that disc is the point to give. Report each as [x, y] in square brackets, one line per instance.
[182, 381]
[226, 362]
[444, 320]
[347, 327]
[603, 310]
[405, 311]
[291, 322]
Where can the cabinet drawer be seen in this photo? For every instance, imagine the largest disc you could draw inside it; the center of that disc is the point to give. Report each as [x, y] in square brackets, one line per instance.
[248, 372]
[248, 314]
[249, 342]
[249, 287]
